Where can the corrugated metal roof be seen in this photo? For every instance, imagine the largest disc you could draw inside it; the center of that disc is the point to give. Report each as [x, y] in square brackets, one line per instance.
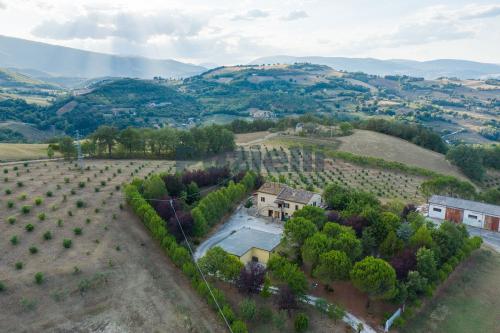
[245, 238]
[479, 207]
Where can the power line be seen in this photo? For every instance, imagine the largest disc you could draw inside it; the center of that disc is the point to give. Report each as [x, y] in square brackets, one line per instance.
[198, 267]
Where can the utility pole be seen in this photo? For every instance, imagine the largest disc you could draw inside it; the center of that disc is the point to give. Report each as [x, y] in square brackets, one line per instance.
[79, 151]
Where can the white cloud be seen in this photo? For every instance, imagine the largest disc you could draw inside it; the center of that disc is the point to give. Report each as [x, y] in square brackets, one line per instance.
[251, 15]
[138, 28]
[482, 12]
[2, 5]
[295, 15]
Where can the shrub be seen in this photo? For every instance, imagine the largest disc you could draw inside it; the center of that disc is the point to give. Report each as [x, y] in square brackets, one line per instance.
[239, 327]
[49, 194]
[77, 231]
[72, 192]
[41, 216]
[25, 209]
[11, 219]
[66, 180]
[22, 196]
[81, 184]
[301, 322]
[19, 265]
[29, 227]
[8, 191]
[47, 235]
[38, 201]
[67, 243]
[14, 240]
[33, 250]
[264, 314]
[20, 184]
[2, 286]
[248, 309]
[39, 278]
[80, 204]
[10, 203]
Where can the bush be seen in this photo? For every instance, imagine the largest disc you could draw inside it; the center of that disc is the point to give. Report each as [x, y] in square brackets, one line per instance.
[8, 191]
[14, 240]
[77, 231]
[20, 184]
[39, 278]
[248, 309]
[80, 204]
[47, 235]
[38, 201]
[11, 219]
[25, 209]
[239, 327]
[29, 227]
[19, 265]
[81, 184]
[33, 250]
[49, 194]
[41, 216]
[23, 196]
[264, 314]
[2, 286]
[67, 243]
[10, 203]
[301, 322]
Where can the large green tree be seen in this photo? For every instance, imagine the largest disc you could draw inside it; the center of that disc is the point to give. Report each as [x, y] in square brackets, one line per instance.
[376, 277]
[332, 266]
[314, 214]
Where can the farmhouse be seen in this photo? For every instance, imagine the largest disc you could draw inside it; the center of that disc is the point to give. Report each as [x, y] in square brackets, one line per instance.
[280, 201]
[251, 245]
[472, 213]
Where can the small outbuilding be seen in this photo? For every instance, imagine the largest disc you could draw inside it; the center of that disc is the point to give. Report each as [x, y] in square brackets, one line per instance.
[251, 245]
[473, 213]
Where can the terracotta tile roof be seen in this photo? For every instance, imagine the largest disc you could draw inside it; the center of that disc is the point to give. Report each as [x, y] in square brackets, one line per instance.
[286, 193]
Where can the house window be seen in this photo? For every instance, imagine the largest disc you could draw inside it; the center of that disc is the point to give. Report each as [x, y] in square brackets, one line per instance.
[255, 259]
[437, 209]
[279, 205]
[296, 207]
[314, 203]
[473, 217]
[262, 199]
[287, 205]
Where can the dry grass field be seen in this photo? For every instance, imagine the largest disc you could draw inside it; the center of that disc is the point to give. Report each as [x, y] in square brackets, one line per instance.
[389, 148]
[22, 151]
[111, 278]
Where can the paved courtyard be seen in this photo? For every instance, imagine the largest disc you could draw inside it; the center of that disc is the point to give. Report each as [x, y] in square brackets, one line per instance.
[241, 218]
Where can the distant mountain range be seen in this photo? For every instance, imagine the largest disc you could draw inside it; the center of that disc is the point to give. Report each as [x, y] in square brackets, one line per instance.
[42, 60]
[433, 69]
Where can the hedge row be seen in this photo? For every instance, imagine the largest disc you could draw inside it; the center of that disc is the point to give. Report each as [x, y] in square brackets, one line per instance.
[215, 205]
[180, 256]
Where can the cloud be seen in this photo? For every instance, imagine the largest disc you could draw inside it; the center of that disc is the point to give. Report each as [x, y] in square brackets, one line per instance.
[251, 15]
[137, 28]
[2, 5]
[482, 12]
[295, 15]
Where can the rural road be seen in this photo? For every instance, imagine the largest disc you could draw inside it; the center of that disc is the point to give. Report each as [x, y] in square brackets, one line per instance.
[253, 142]
[240, 219]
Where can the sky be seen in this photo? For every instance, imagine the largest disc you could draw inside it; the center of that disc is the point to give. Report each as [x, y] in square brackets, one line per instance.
[239, 31]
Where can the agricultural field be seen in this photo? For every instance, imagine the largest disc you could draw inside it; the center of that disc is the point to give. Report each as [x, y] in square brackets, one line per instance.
[284, 164]
[369, 143]
[74, 258]
[469, 302]
[22, 151]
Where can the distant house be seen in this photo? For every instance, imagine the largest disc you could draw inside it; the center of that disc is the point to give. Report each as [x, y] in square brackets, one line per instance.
[476, 214]
[299, 127]
[281, 201]
[251, 245]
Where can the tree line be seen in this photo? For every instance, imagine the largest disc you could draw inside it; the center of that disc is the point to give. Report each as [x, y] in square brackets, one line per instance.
[166, 142]
[474, 160]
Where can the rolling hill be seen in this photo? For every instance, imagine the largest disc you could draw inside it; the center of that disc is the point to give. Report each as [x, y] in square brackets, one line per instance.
[68, 62]
[428, 69]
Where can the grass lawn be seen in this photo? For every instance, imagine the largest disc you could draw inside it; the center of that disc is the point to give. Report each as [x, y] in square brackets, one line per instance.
[469, 303]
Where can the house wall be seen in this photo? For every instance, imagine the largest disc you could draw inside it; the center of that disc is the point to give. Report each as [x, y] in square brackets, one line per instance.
[288, 209]
[434, 213]
[468, 218]
[492, 223]
[262, 255]
[266, 205]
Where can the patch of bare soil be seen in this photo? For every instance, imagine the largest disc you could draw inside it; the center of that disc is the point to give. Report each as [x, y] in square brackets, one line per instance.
[112, 279]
